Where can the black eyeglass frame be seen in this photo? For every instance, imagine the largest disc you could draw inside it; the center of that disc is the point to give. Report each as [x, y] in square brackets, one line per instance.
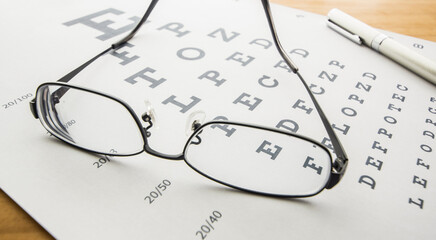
[338, 166]
[146, 148]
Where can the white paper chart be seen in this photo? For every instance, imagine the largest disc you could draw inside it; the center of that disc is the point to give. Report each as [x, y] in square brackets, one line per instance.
[214, 56]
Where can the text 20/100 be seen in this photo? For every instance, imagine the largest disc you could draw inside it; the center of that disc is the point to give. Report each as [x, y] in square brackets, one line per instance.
[16, 101]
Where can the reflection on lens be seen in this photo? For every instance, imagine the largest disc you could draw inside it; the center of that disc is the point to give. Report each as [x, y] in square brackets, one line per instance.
[259, 160]
[88, 120]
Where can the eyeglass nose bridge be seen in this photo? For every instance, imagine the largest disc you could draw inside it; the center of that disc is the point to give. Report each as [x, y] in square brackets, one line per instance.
[194, 121]
[148, 119]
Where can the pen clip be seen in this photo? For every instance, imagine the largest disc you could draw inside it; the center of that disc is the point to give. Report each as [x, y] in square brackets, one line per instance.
[353, 37]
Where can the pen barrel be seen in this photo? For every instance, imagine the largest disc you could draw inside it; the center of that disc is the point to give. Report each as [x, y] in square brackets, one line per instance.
[415, 62]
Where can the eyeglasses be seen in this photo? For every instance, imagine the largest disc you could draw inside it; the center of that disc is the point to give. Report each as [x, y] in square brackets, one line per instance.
[247, 157]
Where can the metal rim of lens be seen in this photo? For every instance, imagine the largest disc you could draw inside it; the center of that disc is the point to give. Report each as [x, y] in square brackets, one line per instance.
[124, 104]
[262, 128]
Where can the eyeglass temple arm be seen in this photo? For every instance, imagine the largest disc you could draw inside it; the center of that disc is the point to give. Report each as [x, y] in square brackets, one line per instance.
[340, 163]
[61, 91]
[138, 26]
[114, 46]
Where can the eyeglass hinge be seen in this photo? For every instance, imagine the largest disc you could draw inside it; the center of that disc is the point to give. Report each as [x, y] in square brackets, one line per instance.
[340, 164]
[339, 167]
[32, 104]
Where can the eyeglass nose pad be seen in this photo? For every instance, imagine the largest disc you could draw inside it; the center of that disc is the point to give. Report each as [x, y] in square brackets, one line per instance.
[195, 120]
[149, 114]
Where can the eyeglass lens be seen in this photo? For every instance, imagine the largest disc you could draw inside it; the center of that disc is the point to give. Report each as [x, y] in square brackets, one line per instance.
[259, 160]
[88, 120]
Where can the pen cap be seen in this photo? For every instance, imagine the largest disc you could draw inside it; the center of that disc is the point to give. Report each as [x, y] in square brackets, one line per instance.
[352, 25]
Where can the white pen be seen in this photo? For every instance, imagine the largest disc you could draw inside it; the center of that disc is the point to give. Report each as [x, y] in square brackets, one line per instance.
[360, 32]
